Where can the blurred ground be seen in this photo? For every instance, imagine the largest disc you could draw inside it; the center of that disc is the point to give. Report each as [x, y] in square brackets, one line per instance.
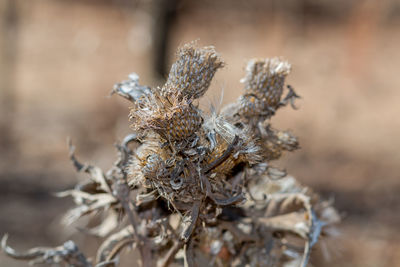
[60, 60]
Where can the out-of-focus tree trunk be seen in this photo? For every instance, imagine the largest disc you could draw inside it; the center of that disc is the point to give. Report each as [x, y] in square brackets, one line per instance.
[164, 15]
[8, 51]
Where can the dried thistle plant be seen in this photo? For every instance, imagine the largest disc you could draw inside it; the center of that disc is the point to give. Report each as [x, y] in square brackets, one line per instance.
[199, 188]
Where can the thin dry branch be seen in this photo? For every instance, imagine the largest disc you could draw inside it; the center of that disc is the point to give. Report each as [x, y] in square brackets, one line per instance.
[67, 253]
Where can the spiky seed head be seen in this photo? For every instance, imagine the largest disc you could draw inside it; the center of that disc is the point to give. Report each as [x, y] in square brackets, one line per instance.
[181, 123]
[265, 78]
[193, 71]
[171, 118]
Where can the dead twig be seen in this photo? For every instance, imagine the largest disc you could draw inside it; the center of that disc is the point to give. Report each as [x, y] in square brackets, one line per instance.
[166, 260]
[190, 221]
[188, 256]
[121, 191]
[95, 172]
[68, 253]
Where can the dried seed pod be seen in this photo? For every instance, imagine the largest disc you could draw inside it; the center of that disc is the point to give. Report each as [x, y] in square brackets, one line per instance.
[172, 119]
[193, 71]
[180, 123]
[264, 83]
[265, 78]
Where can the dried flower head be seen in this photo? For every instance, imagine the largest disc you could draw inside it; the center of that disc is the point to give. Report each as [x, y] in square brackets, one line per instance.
[263, 85]
[192, 72]
[206, 192]
[172, 118]
[266, 77]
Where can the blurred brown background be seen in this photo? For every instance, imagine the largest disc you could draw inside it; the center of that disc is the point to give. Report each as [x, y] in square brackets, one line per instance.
[60, 59]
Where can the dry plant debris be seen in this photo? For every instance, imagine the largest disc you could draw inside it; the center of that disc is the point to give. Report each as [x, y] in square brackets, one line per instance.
[199, 188]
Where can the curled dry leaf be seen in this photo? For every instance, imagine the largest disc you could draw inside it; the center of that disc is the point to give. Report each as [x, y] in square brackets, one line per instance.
[113, 245]
[86, 203]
